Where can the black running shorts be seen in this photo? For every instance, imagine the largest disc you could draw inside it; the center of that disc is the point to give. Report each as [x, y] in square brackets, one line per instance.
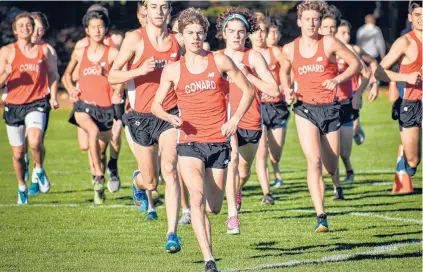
[275, 115]
[407, 112]
[246, 136]
[102, 116]
[214, 155]
[346, 113]
[14, 115]
[324, 116]
[146, 128]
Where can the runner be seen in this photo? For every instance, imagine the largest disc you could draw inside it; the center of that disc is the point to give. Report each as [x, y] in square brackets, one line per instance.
[407, 109]
[312, 57]
[28, 71]
[203, 148]
[148, 50]
[345, 94]
[41, 25]
[93, 110]
[275, 114]
[113, 184]
[233, 26]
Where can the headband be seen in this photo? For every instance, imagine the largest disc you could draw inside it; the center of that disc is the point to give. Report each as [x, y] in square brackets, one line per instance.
[235, 16]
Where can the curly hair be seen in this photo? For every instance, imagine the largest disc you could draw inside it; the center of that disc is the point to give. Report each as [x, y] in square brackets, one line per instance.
[318, 6]
[247, 14]
[333, 13]
[96, 15]
[275, 23]
[42, 18]
[192, 16]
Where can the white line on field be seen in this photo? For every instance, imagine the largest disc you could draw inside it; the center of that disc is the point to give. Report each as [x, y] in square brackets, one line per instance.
[405, 220]
[112, 206]
[334, 258]
[408, 220]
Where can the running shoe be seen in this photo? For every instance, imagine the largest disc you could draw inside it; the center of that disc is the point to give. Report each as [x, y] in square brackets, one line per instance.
[26, 174]
[34, 189]
[185, 219]
[23, 197]
[210, 266]
[42, 180]
[267, 200]
[99, 195]
[322, 224]
[278, 183]
[360, 137]
[410, 170]
[238, 201]
[338, 194]
[151, 216]
[349, 177]
[139, 196]
[233, 225]
[114, 184]
[172, 243]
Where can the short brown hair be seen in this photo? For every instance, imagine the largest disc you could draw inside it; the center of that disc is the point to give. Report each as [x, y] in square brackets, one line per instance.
[192, 16]
[145, 2]
[318, 6]
[42, 18]
[413, 4]
[247, 14]
[22, 15]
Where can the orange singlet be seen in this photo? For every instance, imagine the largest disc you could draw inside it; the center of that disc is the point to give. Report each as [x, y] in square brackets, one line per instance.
[202, 104]
[93, 84]
[274, 67]
[311, 72]
[356, 82]
[147, 85]
[345, 89]
[252, 118]
[413, 92]
[28, 81]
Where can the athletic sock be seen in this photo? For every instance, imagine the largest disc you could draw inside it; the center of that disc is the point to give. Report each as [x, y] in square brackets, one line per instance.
[22, 188]
[151, 210]
[350, 172]
[112, 165]
[186, 210]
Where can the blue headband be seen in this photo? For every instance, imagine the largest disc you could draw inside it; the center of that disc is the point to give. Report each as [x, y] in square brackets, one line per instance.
[235, 16]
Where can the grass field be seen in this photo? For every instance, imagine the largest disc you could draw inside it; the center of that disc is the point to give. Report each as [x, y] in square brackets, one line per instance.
[372, 230]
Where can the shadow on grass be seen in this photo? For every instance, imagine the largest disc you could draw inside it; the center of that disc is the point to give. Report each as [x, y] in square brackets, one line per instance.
[279, 251]
[397, 234]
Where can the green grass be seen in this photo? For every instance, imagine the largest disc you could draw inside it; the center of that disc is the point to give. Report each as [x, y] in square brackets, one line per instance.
[85, 238]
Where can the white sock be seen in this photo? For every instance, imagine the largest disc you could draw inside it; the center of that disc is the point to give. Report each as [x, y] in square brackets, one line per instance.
[26, 157]
[151, 210]
[22, 188]
[232, 214]
[186, 210]
[38, 170]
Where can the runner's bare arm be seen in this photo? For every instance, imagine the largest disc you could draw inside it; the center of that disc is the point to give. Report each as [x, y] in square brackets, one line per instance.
[53, 75]
[226, 65]
[265, 81]
[5, 67]
[117, 88]
[127, 51]
[395, 53]
[367, 59]
[365, 72]
[285, 72]
[67, 76]
[338, 48]
[169, 79]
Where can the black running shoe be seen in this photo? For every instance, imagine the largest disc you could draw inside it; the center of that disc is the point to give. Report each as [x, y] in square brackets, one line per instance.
[210, 266]
[267, 200]
[322, 223]
[339, 194]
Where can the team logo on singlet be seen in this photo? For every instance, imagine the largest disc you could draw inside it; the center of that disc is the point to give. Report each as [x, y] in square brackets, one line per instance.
[311, 68]
[29, 67]
[94, 70]
[200, 85]
[161, 63]
[319, 59]
[173, 55]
